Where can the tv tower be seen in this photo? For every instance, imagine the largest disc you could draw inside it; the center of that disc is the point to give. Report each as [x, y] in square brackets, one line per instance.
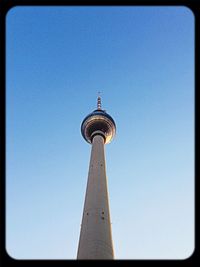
[95, 242]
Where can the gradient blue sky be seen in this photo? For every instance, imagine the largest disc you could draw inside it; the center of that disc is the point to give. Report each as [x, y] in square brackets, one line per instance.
[142, 60]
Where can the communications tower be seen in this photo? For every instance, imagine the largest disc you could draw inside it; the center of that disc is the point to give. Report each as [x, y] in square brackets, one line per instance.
[95, 242]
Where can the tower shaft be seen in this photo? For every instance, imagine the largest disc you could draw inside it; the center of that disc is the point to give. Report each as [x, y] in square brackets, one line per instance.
[96, 238]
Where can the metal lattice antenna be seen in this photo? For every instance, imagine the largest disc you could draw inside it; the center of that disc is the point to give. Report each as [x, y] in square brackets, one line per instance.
[99, 101]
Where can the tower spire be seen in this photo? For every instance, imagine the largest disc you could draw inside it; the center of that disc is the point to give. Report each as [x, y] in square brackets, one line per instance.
[99, 101]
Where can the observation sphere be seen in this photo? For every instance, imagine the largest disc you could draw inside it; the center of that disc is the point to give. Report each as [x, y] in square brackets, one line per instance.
[98, 122]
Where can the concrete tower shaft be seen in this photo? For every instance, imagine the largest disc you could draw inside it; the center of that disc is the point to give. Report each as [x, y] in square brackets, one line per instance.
[98, 128]
[95, 238]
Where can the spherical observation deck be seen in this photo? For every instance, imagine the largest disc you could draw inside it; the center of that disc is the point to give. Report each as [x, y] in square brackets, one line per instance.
[98, 123]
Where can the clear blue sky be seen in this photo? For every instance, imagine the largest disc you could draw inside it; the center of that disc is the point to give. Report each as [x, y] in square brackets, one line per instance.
[142, 60]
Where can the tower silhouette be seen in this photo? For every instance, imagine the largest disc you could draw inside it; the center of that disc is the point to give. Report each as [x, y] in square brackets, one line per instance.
[95, 242]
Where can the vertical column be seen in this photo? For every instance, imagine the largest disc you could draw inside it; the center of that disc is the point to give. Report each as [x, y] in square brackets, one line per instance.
[95, 238]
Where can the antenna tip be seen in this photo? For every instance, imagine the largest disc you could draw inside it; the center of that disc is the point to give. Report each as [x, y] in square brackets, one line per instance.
[99, 101]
